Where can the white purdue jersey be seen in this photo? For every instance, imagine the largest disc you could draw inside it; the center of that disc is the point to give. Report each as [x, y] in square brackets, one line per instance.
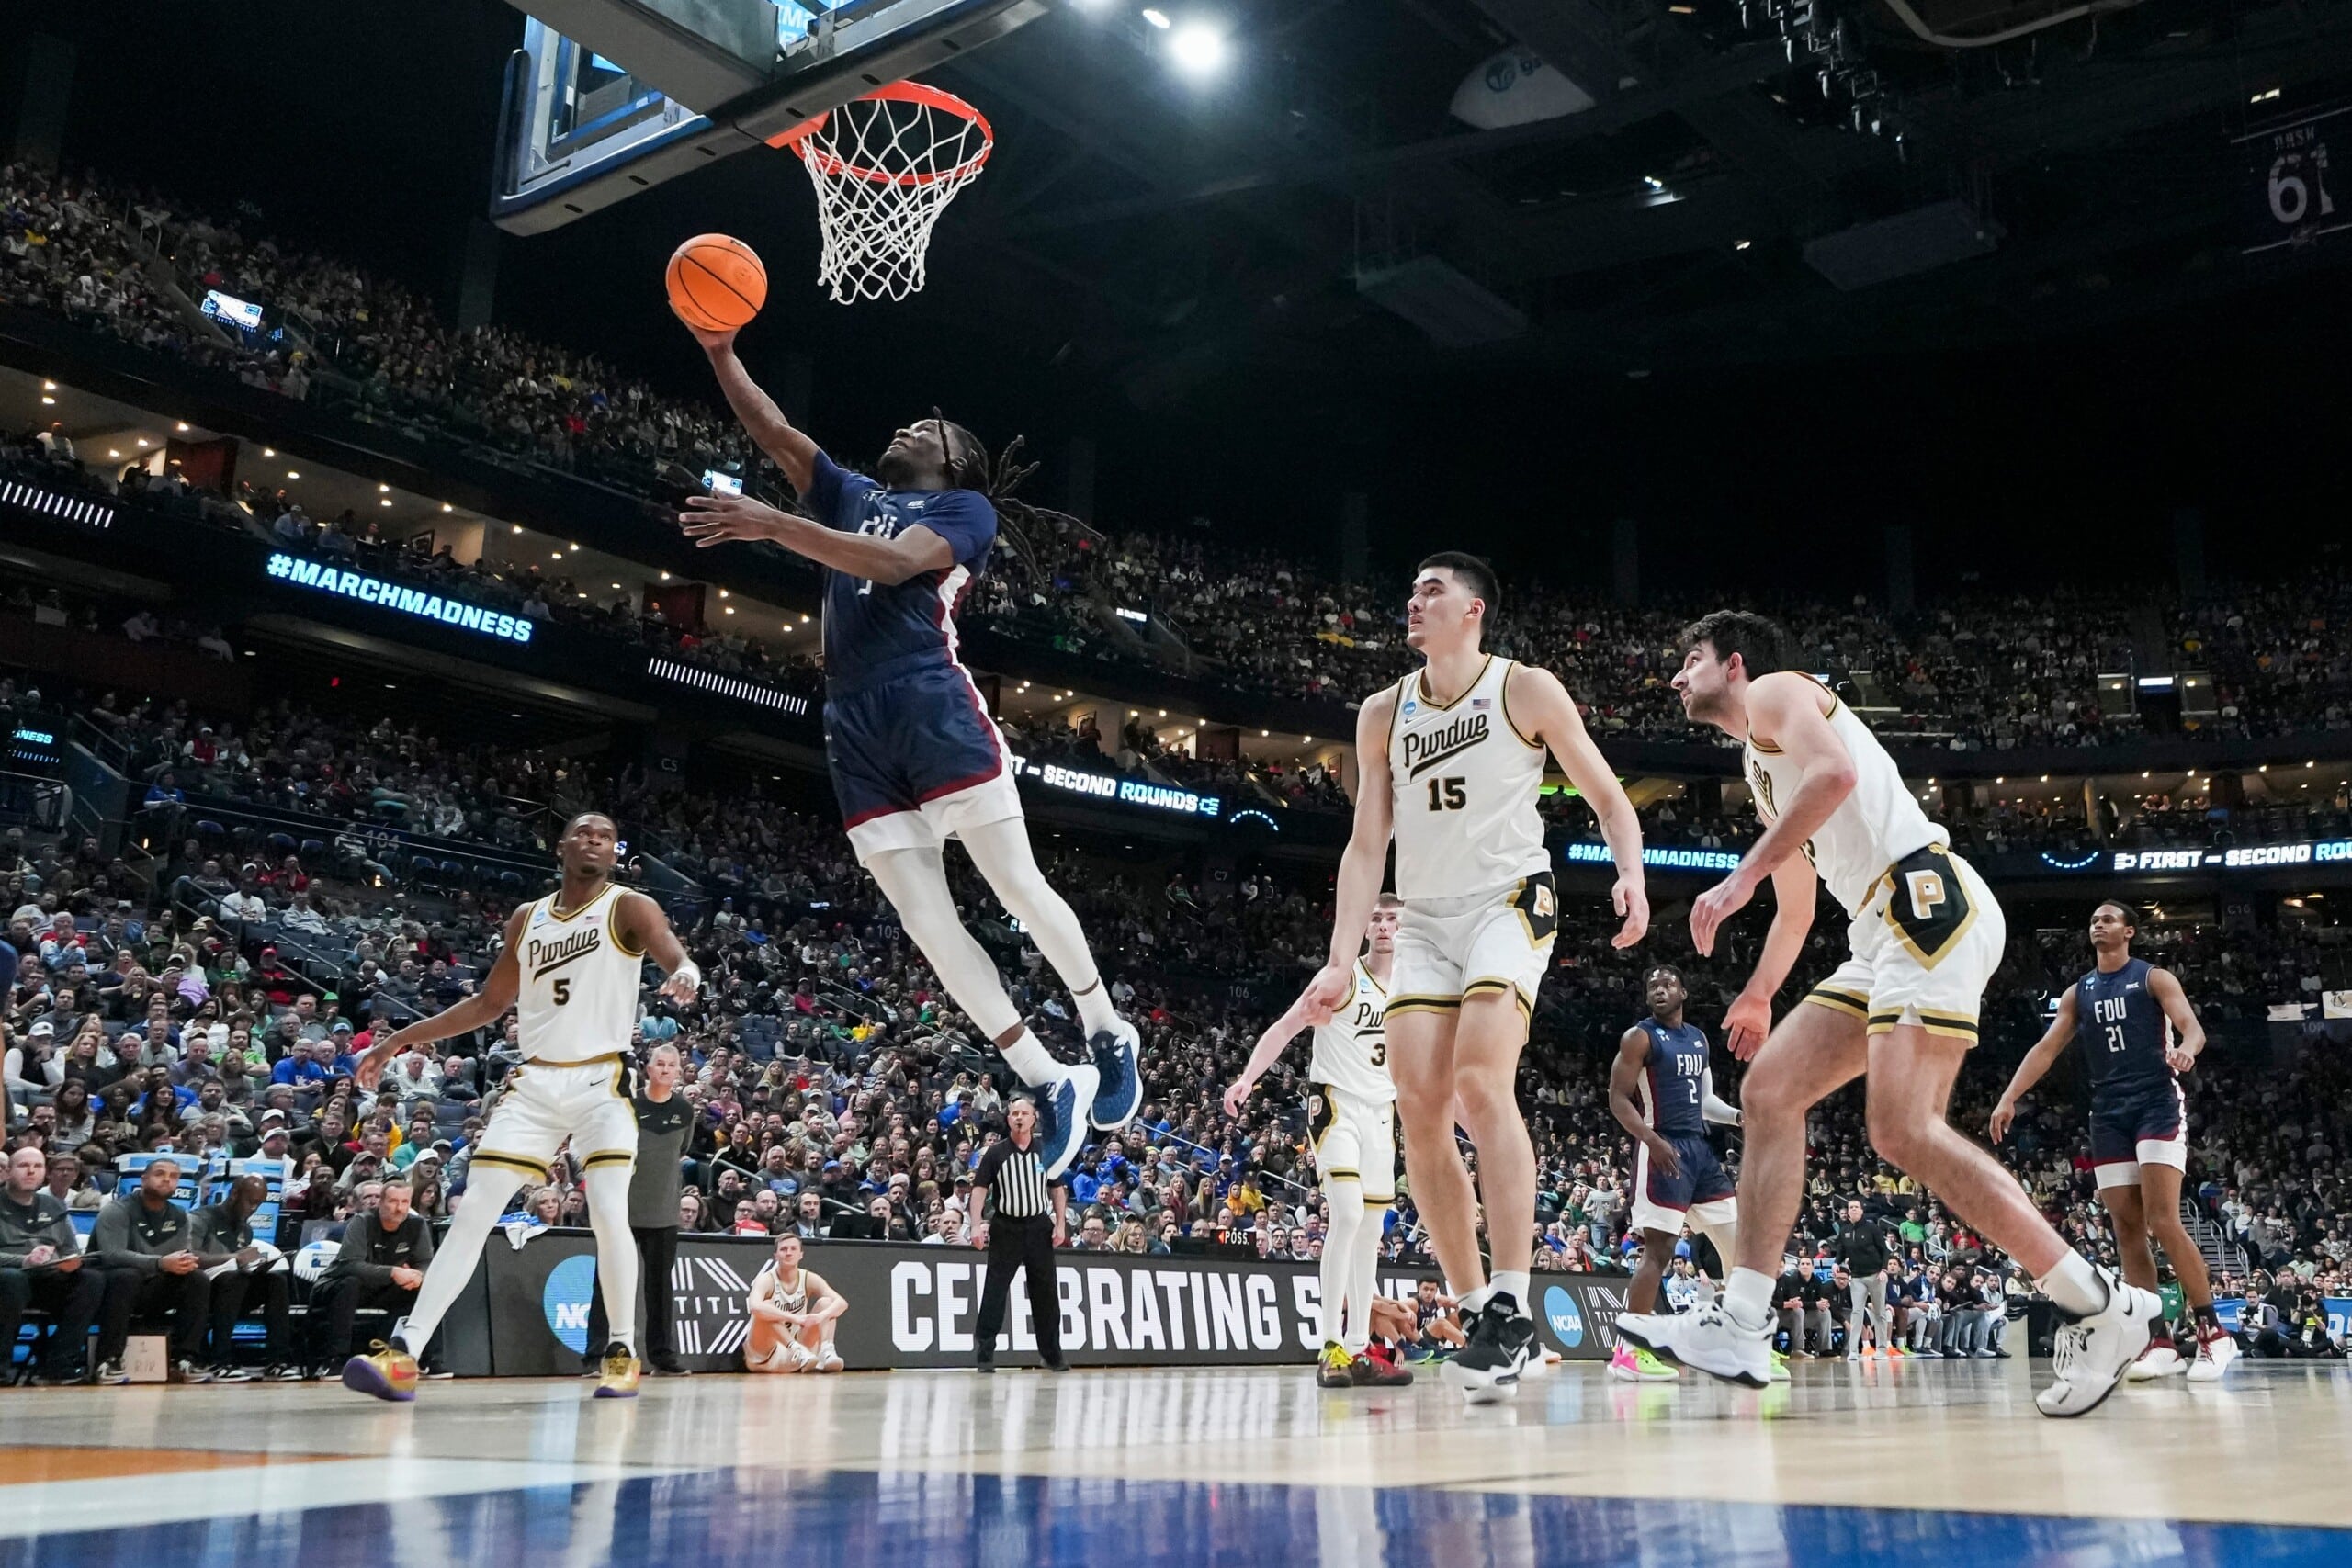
[579, 981]
[1352, 1051]
[1873, 828]
[1465, 782]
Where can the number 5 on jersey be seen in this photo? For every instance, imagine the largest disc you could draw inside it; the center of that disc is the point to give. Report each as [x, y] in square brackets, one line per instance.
[1447, 794]
[561, 988]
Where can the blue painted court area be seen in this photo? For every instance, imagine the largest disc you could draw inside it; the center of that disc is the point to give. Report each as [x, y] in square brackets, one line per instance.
[767, 1518]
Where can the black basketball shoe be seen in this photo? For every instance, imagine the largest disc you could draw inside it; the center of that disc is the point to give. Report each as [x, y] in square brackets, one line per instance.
[1502, 1337]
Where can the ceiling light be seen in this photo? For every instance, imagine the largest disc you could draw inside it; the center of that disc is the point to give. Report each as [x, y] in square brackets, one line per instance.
[665, 576]
[49, 386]
[1310, 740]
[447, 507]
[1741, 244]
[1157, 18]
[269, 451]
[616, 585]
[291, 473]
[183, 427]
[1163, 713]
[2266, 95]
[2263, 769]
[112, 453]
[1263, 733]
[142, 441]
[386, 502]
[1653, 182]
[559, 554]
[517, 527]
[731, 609]
[804, 621]
[49, 403]
[575, 549]
[1197, 48]
[383, 489]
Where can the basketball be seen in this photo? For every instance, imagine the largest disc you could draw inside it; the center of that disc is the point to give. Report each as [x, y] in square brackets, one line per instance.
[716, 283]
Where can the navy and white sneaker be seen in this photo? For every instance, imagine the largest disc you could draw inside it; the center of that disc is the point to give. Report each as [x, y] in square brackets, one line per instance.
[1062, 1109]
[1118, 1093]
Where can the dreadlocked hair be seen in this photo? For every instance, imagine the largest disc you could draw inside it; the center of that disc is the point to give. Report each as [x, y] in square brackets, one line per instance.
[969, 467]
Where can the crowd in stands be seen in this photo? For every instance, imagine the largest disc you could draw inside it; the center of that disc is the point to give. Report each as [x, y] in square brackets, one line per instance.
[1987, 671]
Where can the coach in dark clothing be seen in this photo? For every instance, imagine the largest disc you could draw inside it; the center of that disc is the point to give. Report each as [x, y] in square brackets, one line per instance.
[664, 1122]
[41, 1265]
[1026, 1219]
[1863, 1243]
[381, 1265]
[146, 1246]
[224, 1234]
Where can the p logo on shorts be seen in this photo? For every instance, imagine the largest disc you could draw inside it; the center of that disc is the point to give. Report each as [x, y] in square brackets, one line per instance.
[1928, 905]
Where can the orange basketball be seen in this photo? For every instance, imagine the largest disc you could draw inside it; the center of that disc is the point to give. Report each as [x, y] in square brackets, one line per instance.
[716, 283]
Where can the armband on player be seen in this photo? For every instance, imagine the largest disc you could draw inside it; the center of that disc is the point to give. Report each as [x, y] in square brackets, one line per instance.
[689, 973]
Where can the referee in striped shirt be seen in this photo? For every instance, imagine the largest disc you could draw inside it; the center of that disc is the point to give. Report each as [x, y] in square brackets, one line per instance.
[1026, 1218]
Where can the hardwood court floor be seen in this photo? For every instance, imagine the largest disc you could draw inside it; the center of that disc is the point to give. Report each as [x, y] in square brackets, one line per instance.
[1913, 1462]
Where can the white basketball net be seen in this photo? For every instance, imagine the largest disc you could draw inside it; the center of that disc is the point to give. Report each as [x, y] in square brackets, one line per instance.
[885, 167]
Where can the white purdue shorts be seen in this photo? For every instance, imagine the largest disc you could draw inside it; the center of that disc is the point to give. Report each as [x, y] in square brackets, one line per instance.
[546, 1102]
[1354, 1137]
[1924, 948]
[1451, 948]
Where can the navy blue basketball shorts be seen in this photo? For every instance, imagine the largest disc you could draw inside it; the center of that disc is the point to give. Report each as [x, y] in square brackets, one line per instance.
[2147, 1128]
[916, 761]
[1701, 1196]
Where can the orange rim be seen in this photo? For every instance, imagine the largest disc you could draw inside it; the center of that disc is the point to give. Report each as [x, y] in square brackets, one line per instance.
[834, 165]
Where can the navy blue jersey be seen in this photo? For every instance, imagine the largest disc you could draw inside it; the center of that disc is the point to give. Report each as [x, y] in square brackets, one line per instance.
[2123, 1031]
[1673, 1079]
[875, 632]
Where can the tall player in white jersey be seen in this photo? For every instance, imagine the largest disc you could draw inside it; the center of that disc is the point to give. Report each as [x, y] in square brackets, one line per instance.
[1924, 937]
[1352, 1108]
[569, 967]
[1450, 760]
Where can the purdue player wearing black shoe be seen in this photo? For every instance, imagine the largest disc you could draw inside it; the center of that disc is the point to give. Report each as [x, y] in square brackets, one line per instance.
[2139, 1124]
[1451, 760]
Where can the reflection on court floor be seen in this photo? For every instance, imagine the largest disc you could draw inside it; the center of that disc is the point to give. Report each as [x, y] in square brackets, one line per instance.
[1136, 1469]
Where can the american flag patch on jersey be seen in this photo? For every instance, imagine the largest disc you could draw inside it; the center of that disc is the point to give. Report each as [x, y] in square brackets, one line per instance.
[1476, 703]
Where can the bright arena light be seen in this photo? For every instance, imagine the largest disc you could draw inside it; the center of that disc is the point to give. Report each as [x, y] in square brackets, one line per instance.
[1155, 17]
[1196, 48]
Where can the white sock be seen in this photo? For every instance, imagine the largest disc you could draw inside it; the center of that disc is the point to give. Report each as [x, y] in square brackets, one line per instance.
[1363, 1274]
[2075, 1286]
[1028, 1058]
[1469, 1302]
[1748, 1298]
[1512, 1282]
[1094, 1009]
[1343, 1203]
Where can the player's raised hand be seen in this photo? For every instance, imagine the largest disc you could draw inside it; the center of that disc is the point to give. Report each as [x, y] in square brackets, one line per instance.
[1236, 1093]
[712, 342]
[1630, 900]
[1328, 993]
[1716, 905]
[2003, 1114]
[721, 519]
[369, 1068]
[1746, 1023]
[682, 986]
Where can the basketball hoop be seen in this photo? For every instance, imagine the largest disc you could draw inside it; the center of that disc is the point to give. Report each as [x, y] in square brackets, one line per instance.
[885, 167]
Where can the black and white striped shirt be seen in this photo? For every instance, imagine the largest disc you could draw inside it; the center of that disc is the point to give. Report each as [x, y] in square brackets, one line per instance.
[1017, 1181]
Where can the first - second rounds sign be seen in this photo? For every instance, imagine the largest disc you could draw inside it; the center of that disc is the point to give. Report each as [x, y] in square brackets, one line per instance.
[2291, 197]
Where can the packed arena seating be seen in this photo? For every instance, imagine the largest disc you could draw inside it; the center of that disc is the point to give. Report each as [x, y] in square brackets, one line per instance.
[1989, 671]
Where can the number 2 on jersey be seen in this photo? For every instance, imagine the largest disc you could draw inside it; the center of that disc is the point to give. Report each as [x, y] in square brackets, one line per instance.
[1452, 798]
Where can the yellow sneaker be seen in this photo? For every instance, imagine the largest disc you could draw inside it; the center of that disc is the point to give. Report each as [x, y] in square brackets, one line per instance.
[621, 1371]
[387, 1371]
[1335, 1367]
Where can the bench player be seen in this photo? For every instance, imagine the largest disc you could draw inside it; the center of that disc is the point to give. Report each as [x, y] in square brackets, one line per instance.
[1351, 1109]
[914, 757]
[1450, 762]
[1924, 936]
[1663, 1092]
[570, 968]
[792, 1312]
[2139, 1123]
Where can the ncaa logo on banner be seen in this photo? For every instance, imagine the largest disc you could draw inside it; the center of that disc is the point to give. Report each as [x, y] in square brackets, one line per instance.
[565, 1299]
[1560, 1312]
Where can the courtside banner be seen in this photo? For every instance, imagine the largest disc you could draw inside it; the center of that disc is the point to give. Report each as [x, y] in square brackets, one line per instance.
[914, 1307]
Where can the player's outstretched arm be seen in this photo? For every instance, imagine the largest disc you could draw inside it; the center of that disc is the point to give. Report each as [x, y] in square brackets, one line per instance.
[1364, 860]
[1625, 1072]
[2037, 1062]
[1783, 709]
[762, 421]
[1552, 714]
[719, 519]
[1280, 1032]
[645, 926]
[1749, 1018]
[486, 1006]
[2189, 1035]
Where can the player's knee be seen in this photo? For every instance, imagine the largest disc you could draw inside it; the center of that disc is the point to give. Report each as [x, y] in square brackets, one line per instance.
[1901, 1132]
[1769, 1093]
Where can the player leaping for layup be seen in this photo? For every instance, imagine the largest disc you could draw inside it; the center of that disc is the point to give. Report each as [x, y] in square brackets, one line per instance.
[916, 759]
[1450, 762]
[2139, 1123]
[570, 969]
[1352, 1107]
[1926, 936]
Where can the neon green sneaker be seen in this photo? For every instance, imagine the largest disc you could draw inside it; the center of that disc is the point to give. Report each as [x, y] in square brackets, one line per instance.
[1630, 1363]
[1779, 1367]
